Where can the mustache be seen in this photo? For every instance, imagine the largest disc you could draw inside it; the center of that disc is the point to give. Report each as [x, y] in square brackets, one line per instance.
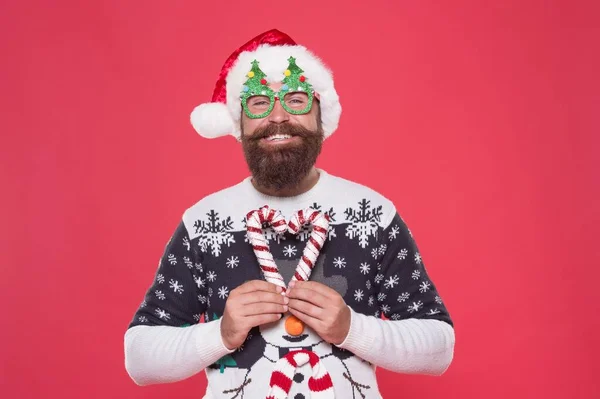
[281, 128]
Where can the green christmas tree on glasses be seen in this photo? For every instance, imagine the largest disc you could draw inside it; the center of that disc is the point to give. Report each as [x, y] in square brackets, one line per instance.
[296, 94]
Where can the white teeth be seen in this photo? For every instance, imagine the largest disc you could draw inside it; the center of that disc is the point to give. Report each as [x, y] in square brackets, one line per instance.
[278, 137]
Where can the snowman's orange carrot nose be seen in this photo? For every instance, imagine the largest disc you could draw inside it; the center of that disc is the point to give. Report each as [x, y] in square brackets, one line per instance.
[294, 326]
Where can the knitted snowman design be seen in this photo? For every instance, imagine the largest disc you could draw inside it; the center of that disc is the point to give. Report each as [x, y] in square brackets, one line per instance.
[281, 380]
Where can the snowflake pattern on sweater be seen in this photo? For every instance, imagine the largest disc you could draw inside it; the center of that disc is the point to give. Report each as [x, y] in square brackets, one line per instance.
[369, 257]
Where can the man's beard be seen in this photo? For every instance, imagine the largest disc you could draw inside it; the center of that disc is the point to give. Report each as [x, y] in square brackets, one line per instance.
[282, 166]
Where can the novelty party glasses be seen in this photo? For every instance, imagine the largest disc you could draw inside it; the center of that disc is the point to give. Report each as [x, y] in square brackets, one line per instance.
[295, 95]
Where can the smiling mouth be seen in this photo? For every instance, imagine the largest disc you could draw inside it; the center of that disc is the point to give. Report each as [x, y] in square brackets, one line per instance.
[276, 137]
[295, 339]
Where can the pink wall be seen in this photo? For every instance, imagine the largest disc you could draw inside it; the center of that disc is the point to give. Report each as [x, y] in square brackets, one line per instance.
[479, 121]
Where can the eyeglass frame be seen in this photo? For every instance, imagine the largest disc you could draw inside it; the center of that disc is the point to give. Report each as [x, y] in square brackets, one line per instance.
[273, 96]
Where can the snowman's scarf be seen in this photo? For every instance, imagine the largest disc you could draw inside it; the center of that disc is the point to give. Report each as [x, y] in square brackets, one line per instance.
[319, 383]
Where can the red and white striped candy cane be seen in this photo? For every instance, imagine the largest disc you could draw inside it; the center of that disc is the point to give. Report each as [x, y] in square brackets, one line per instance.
[254, 223]
[320, 223]
[319, 384]
[265, 215]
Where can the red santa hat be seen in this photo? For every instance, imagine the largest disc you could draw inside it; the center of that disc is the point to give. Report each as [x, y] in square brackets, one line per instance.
[271, 49]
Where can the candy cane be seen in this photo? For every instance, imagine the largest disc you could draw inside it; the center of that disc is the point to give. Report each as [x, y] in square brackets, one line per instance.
[319, 384]
[315, 242]
[265, 215]
[254, 222]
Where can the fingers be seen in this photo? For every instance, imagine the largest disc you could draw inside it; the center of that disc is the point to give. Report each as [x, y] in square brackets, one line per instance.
[322, 289]
[306, 319]
[308, 295]
[258, 285]
[258, 320]
[306, 308]
[263, 308]
[262, 296]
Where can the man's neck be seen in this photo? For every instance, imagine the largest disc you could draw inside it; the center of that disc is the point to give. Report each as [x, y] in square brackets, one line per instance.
[305, 184]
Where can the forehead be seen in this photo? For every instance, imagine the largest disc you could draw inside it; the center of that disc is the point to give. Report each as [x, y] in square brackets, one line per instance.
[275, 86]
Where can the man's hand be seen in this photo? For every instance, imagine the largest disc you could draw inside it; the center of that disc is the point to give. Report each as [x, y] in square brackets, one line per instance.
[321, 308]
[251, 304]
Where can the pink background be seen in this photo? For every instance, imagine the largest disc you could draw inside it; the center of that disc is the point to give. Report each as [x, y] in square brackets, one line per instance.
[480, 121]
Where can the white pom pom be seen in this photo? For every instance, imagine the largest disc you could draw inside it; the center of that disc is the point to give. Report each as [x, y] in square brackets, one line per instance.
[212, 120]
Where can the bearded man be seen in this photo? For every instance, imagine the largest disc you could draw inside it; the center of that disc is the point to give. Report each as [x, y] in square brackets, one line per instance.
[294, 282]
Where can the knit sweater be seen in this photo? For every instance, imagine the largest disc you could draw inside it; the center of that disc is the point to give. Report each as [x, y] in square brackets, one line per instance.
[398, 319]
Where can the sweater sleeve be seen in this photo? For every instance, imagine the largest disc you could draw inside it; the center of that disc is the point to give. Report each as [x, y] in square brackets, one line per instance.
[417, 334]
[164, 341]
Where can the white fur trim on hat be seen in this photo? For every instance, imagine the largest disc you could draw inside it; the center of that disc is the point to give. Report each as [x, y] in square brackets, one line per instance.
[212, 120]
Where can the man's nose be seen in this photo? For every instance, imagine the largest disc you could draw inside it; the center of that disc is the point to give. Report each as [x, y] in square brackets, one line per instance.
[278, 114]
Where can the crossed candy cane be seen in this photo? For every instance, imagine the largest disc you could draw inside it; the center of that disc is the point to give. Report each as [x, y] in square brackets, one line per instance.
[265, 215]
